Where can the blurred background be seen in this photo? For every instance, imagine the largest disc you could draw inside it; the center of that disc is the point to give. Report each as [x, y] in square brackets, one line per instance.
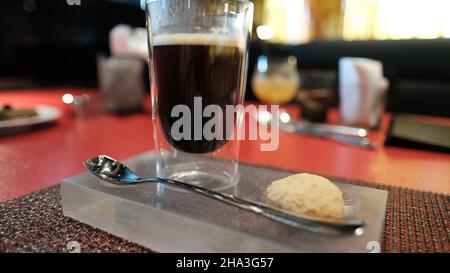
[57, 43]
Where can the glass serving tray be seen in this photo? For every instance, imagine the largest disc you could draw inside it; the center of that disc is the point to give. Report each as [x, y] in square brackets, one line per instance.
[169, 220]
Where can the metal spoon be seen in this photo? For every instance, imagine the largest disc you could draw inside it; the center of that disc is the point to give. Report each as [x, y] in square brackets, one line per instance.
[343, 134]
[304, 128]
[117, 173]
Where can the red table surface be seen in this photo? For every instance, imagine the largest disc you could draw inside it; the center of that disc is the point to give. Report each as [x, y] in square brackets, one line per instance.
[41, 158]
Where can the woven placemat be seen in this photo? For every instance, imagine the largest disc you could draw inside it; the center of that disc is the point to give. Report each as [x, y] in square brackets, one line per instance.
[415, 222]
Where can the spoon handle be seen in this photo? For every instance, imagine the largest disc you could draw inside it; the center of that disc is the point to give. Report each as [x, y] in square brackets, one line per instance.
[363, 142]
[355, 141]
[276, 215]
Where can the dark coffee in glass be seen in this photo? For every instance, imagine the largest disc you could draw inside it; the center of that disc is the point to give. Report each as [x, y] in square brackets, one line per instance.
[196, 65]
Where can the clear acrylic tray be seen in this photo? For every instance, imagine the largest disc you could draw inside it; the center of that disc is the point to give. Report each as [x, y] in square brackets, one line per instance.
[169, 220]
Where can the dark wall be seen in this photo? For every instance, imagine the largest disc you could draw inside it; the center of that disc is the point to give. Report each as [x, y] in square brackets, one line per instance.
[56, 43]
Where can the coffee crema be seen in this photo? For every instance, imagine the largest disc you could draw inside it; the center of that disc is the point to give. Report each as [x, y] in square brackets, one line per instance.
[196, 65]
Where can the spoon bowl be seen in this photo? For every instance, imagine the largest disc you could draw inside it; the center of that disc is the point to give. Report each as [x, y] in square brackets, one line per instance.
[111, 170]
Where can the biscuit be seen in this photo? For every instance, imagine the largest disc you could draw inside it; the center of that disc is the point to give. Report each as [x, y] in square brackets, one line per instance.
[307, 195]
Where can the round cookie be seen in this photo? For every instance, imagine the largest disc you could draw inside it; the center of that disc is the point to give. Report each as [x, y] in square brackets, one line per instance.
[307, 195]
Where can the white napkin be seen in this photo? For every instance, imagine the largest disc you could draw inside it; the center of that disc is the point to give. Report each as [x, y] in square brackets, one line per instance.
[362, 90]
[126, 41]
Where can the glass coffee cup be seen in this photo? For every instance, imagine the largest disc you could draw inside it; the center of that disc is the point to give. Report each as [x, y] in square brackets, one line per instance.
[198, 62]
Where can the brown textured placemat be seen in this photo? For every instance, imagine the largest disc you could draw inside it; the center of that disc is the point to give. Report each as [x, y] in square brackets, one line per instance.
[35, 223]
[415, 222]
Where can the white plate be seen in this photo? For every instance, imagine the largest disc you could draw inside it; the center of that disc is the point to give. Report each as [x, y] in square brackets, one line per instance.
[45, 114]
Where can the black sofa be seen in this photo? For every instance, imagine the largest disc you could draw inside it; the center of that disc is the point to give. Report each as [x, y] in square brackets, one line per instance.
[418, 70]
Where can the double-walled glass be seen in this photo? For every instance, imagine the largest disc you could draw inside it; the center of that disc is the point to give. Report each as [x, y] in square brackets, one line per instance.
[198, 63]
